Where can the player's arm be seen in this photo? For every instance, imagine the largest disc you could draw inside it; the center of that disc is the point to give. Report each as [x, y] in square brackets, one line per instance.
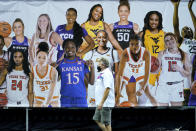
[192, 15]
[123, 60]
[160, 55]
[3, 76]
[31, 52]
[111, 26]
[90, 46]
[176, 21]
[91, 75]
[56, 38]
[30, 89]
[113, 41]
[52, 86]
[186, 70]
[147, 59]
[136, 28]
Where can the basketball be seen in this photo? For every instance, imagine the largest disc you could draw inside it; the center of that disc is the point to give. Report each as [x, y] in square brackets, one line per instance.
[3, 99]
[126, 104]
[5, 29]
[2, 64]
[154, 64]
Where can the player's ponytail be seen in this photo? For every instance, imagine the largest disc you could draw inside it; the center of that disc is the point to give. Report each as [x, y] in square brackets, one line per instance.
[43, 46]
[124, 3]
[78, 33]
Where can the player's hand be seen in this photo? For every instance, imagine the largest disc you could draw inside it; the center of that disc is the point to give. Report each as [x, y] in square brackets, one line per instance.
[193, 84]
[90, 63]
[190, 4]
[140, 92]
[175, 2]
[79, 54]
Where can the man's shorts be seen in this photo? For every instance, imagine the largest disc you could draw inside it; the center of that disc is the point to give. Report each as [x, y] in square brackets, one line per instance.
[103, 115]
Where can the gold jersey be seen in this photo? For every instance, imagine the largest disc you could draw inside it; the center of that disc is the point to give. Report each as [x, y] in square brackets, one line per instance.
[92, 30]
[154, 43]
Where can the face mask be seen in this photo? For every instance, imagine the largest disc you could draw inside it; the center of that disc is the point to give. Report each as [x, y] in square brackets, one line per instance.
[98, 68]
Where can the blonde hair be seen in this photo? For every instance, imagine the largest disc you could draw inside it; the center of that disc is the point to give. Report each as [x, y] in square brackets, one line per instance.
[48, 30]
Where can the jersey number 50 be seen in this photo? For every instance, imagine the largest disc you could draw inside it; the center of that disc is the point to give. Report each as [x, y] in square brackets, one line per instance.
[123, 37]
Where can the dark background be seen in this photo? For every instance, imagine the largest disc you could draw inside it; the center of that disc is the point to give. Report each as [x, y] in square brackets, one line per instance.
[74, 119]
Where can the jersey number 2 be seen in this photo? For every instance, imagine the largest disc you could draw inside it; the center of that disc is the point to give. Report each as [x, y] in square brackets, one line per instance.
[17, 85]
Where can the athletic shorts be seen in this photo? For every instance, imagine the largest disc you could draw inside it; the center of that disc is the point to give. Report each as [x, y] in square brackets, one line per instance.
[22, 103]
[170, 93]
[192, 100]
[103, 115]
[73, 101]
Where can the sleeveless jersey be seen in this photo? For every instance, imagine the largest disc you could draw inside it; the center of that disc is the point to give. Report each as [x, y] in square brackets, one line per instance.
[24, 43]
[167, 73]
[52, 49]
[42, 84]
[134, 69]
[154, 43]
[189, 46]
[66, 34]
[72, 77]
[92, 30]
[122, 34]
[17, 86]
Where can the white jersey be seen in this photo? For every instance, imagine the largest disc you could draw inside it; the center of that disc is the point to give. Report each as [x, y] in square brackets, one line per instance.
[168, 74]
[17, 86]
[52, 48]
[134, 68]
[188, 46]
[41, 84]
[112, 56]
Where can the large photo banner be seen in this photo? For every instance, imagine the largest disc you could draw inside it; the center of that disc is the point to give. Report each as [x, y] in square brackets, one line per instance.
[97, 53]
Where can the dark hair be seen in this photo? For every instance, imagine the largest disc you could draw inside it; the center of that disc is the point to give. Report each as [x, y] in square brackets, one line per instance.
[188, 32]
[146, 22]
[77, 30]
[17, 20]
[91, 10]
[43, 46]
[104, 32]
[175, 37]
[25, 63]
[124, 3]
[193, 68]
[134, 37]
[65, 42]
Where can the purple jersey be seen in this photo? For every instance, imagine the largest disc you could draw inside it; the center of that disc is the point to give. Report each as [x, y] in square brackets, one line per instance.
[122, 34]
[16, 43]
[66, 34]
